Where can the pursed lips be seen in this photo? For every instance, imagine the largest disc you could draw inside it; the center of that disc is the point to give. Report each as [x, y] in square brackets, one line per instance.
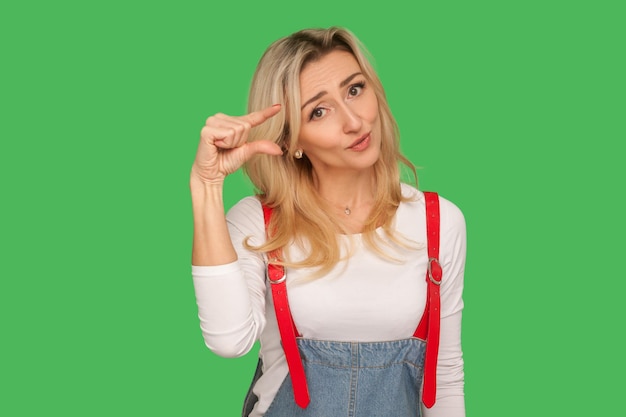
[359, 140]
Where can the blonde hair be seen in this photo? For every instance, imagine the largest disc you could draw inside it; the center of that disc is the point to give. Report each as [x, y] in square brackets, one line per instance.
[285, 183]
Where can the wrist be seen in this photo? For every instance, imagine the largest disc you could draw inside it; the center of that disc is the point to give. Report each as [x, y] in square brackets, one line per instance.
[206, 193]
[199, 175]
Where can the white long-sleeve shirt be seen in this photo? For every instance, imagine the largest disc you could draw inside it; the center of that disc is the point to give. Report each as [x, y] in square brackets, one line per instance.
[364, 299]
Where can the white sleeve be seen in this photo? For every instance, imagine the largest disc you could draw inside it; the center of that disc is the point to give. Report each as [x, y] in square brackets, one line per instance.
[450, 400]
[231, 297]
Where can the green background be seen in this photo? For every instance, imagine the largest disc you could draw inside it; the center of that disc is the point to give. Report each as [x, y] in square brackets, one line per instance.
[514, 110]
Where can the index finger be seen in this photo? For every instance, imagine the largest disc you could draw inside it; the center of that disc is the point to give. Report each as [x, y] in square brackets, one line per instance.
[257, 117]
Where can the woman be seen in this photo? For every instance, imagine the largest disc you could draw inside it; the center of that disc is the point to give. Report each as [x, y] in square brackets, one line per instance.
[321, 147]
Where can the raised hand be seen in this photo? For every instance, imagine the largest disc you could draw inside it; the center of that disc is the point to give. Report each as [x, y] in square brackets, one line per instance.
[223, 144]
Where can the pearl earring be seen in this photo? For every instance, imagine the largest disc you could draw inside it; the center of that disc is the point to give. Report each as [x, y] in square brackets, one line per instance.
[298, 154]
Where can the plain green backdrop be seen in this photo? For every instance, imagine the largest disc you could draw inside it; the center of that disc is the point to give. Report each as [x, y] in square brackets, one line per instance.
[514, 110]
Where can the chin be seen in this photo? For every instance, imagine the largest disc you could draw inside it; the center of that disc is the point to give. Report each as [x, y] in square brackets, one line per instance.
[369, 158]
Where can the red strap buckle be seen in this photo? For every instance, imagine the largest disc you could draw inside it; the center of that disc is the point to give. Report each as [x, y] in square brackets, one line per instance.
[275, 273]
[434, 271]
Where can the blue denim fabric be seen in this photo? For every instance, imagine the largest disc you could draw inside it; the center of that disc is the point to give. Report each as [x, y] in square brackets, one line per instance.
[378, 379]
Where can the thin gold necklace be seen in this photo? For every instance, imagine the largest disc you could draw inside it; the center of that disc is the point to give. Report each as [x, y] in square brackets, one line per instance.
[346, 209]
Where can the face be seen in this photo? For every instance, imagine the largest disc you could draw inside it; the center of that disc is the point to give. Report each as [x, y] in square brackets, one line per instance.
[340, 129]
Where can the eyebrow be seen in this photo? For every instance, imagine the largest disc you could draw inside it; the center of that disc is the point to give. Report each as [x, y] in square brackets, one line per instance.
[323, 93]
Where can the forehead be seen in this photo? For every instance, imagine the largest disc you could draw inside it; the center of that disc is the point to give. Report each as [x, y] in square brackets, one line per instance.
[327, 72]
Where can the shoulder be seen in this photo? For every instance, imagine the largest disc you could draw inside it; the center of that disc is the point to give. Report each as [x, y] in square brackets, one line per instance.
[247, 216]
[410, 192]
[246, 205]
[450, 214]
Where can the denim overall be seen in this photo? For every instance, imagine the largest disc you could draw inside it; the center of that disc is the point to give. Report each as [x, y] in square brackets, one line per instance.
[374, 379]
[358, 379]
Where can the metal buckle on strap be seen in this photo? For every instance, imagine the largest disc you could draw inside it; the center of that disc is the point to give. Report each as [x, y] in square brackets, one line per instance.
[271, 267]
[278, 281]
[430, 270]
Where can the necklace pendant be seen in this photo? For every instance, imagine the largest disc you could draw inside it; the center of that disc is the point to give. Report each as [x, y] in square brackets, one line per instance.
[347, 211]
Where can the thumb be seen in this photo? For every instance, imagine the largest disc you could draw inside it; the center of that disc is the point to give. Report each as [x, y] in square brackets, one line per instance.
[233, 159]
[263, 147]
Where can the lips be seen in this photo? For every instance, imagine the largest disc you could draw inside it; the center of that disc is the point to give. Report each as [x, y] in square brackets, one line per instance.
[361, 143]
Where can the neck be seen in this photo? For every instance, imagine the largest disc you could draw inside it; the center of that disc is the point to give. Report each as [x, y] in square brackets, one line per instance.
[347, 193]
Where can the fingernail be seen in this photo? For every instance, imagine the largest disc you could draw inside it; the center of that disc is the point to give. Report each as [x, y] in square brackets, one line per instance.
[276, 105]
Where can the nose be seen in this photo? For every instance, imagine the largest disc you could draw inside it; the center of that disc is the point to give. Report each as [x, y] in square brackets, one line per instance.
[352, 122]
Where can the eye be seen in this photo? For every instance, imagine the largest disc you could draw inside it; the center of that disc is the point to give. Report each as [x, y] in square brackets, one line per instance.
[356, 89]
[317, 113]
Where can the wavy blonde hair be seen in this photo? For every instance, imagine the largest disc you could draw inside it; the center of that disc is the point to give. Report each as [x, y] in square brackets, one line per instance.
[284, 183]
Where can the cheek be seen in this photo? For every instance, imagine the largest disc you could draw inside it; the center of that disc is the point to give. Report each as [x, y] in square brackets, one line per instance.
[313, 136]
[372, 109]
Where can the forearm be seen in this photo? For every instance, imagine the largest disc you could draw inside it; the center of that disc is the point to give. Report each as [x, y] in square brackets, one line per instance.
[211, 241]
[231, 295]
[230, 324]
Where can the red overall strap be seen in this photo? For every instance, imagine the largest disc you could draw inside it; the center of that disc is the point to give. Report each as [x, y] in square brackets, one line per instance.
[286, 326]
[428, 328]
